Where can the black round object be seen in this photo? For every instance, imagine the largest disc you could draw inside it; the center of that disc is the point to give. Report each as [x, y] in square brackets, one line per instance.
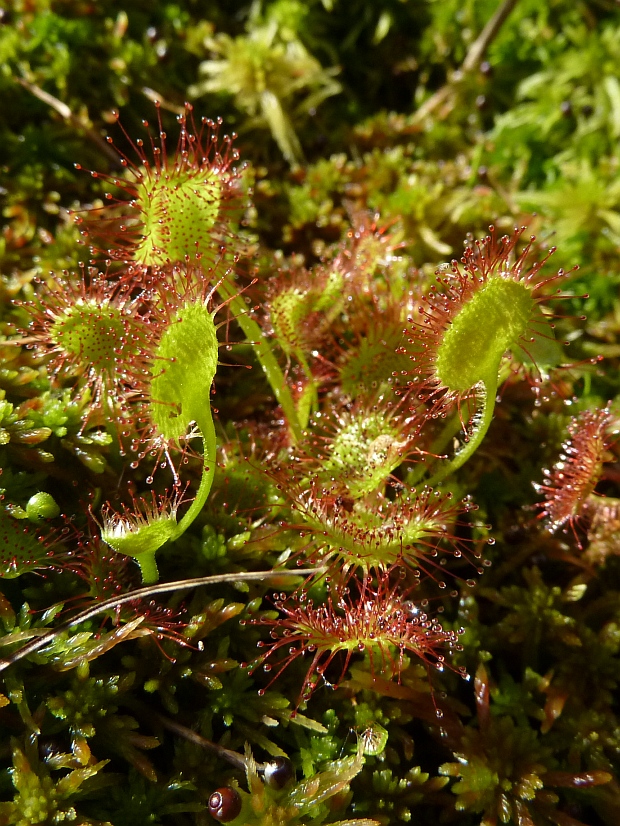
[278, 772]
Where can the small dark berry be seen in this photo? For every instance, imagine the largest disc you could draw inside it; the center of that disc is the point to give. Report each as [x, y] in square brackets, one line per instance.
[566, 109]
[481, 102]
[225, 804]
[278, 772]
[587, 111]
[486, 68]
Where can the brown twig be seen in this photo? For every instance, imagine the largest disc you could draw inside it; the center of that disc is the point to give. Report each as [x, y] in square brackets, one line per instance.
[473, 58]
[233, 757]
[156, 97]
[150, 590]
[65, 112]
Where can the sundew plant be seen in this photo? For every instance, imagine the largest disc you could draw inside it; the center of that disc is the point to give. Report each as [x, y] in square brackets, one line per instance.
[309, 418]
